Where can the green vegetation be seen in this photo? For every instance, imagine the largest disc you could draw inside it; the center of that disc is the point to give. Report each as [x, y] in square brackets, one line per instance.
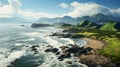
[108, 33]
[87, 24]
[109, 27]
[112, 50]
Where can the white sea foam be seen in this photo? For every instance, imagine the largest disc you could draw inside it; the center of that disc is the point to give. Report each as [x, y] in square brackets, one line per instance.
[51, 41]
[30, 39]
[54, 62]
[6, 60]
[18, 44]
[70, 41]
[31, 34]
[50, 60]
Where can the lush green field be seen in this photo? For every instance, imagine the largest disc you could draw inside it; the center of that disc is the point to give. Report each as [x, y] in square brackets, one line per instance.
[109, 26]
[112, 50]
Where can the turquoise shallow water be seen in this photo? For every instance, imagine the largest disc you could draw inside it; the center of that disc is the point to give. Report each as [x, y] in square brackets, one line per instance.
[15, 38]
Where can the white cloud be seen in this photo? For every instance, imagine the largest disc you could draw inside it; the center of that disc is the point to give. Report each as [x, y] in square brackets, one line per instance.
[63, 5]
[116, 10]
[15, 4]
[78, 10]
[6, 9]
[35, 15]
[83, 9]
[13, 9]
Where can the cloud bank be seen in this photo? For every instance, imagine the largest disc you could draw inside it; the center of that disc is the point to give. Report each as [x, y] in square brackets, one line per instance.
[83, 9]
[78, 10]
[13, 9]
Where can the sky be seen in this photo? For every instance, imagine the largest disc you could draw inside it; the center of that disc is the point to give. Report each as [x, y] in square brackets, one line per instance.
[35, 9]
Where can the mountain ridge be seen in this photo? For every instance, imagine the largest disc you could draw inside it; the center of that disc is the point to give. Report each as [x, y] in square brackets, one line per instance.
[98, 18]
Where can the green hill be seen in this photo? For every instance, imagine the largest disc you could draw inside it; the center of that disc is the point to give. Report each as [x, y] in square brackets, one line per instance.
[87, 24]
[111, 26]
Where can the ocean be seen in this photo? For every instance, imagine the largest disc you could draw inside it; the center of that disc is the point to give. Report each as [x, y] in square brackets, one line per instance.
[16, 40]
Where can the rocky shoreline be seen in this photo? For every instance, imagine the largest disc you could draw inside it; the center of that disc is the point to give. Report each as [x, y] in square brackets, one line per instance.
[87, 54]
[95, 59]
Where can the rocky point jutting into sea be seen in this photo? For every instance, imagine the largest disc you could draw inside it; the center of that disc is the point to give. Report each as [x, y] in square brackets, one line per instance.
[86, 54]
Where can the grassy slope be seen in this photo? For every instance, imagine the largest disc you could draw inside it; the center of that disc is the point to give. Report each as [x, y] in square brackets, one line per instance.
[87, 24]
[112, 50]
[109, 27]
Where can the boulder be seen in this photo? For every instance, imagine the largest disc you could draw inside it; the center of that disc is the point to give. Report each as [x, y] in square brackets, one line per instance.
[65, 55]
[68, 62]
[64, 47]
[22, 25]
[54, 50]
[57, 53]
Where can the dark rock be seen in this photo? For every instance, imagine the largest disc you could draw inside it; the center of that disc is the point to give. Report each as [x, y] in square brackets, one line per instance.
[23, 25]
[69, 62]
[27, 46]
[89, 49]
[57, 53]
[64, 47]
[66, 35]
[54, 50]
[84, 51]
[74, 49]
[70, 44]
[33, 49]
[37, 46]
[33, 46]
[78, 36]
[36, 52]
[61, 59]
[65, 55]
[77, 51]
[50, 46]
[65, 30]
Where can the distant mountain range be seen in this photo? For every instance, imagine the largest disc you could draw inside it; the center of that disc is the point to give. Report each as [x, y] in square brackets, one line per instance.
[97, 18]
[65, 19]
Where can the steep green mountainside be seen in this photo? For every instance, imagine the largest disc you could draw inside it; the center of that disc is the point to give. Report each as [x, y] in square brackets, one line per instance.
[87, 24]
[111, 26]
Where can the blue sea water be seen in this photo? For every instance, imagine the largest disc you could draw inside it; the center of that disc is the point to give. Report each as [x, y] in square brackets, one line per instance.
[15, 41]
